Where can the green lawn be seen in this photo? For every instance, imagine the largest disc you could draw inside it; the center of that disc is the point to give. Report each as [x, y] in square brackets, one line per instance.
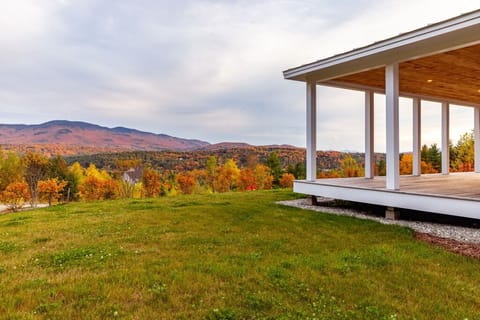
[223, 256]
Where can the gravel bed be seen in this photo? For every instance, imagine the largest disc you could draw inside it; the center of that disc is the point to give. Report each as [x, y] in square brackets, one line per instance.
[461, 234]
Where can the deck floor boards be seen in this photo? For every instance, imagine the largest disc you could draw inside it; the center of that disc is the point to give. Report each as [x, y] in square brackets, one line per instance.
[457, 185]
[455, 194]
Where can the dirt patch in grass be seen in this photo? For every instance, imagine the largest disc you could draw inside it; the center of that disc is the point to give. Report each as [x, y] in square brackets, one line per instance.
[463, 248]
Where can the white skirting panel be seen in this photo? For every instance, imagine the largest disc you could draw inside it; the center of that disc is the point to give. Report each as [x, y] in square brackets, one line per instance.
[392, 198]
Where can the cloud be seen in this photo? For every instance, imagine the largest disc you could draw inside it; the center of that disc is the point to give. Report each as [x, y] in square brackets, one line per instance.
[200, 69]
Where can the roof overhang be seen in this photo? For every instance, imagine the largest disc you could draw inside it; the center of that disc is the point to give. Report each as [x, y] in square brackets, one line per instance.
[438, 62]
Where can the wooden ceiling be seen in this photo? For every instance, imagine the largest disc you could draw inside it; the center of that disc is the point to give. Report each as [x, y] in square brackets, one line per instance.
[453, 76]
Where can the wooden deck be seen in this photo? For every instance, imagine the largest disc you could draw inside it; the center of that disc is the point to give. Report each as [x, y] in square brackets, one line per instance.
[454, 194]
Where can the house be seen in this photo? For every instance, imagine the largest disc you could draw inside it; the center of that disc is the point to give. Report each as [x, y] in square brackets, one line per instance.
[133, 175]
[439, 62]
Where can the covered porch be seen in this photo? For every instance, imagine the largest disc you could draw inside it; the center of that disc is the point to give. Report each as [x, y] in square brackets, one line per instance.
[440, 63]
[456, 194]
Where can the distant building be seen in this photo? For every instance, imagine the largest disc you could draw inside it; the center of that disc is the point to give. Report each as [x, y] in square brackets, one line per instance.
[133, 175]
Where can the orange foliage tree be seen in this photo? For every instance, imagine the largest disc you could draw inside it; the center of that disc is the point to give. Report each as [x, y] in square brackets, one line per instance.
[15, 195]
[95, 188]
[51, 189]
[227, 175]
[91, 188]
[247, 180]
[186, 182]
[406, 164]
[324, 174]
[151, 182]
[286, 181]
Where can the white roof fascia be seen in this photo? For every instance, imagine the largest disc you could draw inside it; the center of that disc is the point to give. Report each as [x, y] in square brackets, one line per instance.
[443, 36]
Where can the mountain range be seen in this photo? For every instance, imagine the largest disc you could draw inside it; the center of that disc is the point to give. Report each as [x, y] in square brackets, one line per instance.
[76, 137]
[83, 134]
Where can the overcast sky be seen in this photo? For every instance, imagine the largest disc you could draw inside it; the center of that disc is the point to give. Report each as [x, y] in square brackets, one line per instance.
[201, 69]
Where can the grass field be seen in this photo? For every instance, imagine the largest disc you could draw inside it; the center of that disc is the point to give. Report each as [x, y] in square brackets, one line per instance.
[223, 256]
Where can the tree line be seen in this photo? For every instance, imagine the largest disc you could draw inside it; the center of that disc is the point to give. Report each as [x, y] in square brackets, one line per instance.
[461, 160]
[34, 178]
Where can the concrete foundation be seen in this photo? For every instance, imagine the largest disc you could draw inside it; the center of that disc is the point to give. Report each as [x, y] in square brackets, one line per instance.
[392, 213]
[312, 200]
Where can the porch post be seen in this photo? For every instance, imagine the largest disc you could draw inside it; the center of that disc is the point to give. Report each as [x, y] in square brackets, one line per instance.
[369, 132]
[311, 130]
[417, 136]
[476, 141]
[445, 137]
[391, 93]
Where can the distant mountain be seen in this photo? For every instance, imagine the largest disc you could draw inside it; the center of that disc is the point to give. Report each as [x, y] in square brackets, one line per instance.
[77, 134]
[242, 145]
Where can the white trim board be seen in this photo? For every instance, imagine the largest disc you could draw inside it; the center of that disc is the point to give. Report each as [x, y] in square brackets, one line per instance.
[391, 198]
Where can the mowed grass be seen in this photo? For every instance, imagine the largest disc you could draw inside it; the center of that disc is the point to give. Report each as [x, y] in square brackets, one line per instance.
[223, 256]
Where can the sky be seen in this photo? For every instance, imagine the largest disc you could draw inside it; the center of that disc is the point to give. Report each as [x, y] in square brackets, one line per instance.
[204, 69]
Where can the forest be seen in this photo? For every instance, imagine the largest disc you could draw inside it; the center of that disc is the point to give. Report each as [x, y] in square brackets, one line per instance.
[31, 177]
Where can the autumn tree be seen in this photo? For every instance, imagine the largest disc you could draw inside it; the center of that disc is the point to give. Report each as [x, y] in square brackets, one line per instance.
[349, 167]
[326, 174]
[109, 188]
[91, 188]
[15, 195]
[151, 182]
[125, 164]
[36, 169]
[247, 180]
[227, 176]
[286, 181]
[97, 185]
[92, 171]
[77, 171]
[51, 189]
[427, 168]
[186, 182]
[11, 169]
[263, 178]
[75, 178]
[406, 163]
[200, 176]
[211, 172]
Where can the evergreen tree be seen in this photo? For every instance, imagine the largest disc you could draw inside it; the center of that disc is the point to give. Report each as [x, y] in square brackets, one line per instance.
[434, 157]
[273, 162]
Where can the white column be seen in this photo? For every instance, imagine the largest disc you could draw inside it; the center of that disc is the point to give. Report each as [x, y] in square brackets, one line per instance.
[391, 92]
[369, 133]
[417, 136]
[476, 134]
[445, 137]
[311, 130]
